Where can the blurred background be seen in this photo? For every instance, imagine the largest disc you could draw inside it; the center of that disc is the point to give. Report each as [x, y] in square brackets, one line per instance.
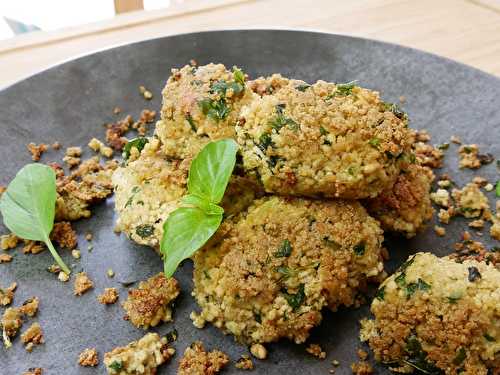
[36, 34]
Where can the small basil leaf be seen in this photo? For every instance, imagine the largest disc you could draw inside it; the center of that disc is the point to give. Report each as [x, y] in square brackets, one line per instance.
[186, 230]
[211, 169]
[196, 201]
[138, 143]
[28, 206]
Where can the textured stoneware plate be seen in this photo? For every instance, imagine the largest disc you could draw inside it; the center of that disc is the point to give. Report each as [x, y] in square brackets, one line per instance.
[71, 102]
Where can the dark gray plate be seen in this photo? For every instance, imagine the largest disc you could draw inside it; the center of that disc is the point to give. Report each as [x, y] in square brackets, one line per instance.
[70, 103]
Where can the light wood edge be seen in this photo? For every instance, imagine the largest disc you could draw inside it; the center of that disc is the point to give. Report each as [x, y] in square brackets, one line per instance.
[42, 38]
[124, 6]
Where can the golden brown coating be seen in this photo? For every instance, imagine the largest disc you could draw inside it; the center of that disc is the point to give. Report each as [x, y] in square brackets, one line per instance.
[323, 140]
[196, 361]
[406, 206]
[281, 263]
[150, 303]
[438, 315]
[200, 104]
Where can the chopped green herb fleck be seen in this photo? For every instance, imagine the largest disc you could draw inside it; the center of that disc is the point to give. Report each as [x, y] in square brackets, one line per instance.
[284, 250]
[374, 142]
[419, 285]
[460, 357]
[396, 111]
[380, 294]
[323, 131]
[444, 146]
[265, 141]
[453, 299]
[286, 271]
[191, 122]
[359, 249]
[497, 189]
[239, 76]
[331, 243]
[400, 280]
[302, 88]
[343, 89]
[489, 338]
[172, 336]
[144, 230]
[296, 300]
[280, 120]
[138, 143]
[115, 365]
[216, 110]
[258, 317]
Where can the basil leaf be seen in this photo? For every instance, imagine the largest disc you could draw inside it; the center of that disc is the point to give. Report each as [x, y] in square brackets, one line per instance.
[211, 169]
[196, 201]
[497, 189]
[186, 230]
[28, 206]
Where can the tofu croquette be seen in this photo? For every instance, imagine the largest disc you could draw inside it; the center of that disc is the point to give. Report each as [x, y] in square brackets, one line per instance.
[149, 188]
[283, 261]
[200, 104]
[140, 357]
[151, 303]
[196, 361]
[406, 206]
[438, 315]
[326, 140]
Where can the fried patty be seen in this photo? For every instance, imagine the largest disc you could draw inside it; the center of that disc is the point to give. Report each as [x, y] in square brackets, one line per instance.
[281, 262]
[200, 104]
[323, 139]
[438, 315]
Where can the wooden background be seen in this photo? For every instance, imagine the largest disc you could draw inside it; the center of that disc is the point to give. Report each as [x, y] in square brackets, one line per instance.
[463, 30]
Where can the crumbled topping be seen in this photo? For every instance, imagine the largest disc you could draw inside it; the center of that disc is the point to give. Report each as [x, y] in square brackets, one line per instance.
[244, 363]
[56, 146]
[8, 241]
[145, 93]
[470, 157]
[82, 284]
[422, 136]
[196, 361]
[63, 276]
[32, 336]
[11, 322]
[363, 355]
[441, 197]
[115, 132]
[100, 147]
[64, 234]
[117, 110]
[34, 371]
[37, 150]
[30, 307]
[108, 297]
[110, 273]
[88, 358]
[456, 140]
[139, 357]
[362, 368]
[440, 231]
[470, 201]
[444, 216]
[258, 351]
[316, 350]
[477, 224]
[5, 258]
[428, 155]
[7, 294]
[150, 303]
[33, 247]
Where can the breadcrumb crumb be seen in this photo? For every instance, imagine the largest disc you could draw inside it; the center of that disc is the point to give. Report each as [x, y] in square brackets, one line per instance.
[63, 276]
[440, 231]
[258, 351]
[8, 241]
[33, 247]
[7, 294]
[5, 258]
[108, 297]
[30, 307]
[32, 336]
[37, 150]
[244, 363]
[34, 371]
[316, 350]
[88, 358]
[82, 284]
[196, 361]
[64, 234]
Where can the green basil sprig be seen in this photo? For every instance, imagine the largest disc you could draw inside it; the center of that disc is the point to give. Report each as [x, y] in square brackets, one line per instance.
[188, 228]
[28, 206]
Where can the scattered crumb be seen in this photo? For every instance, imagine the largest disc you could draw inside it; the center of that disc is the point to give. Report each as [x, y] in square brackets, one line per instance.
[115, 132]
[361, 368]
[11, 322]
[32, 336]
[480, 181]
[37, 150]
[63, 276]
[456, 140]
[56, 146]
[145, 93]
[88, 358]
[196, 361]
[108, 297]
[244, 363]
[8, 241]
[64, 234]
[316, 351]
[470, 201]
[258, 351]
[30, 307]
[5, 258]
[441, 197]
[7, 294]
[139, 357]
[444, 216]
[335, 363]
[76, 254]
[71, 161]
[54, 268]
[422, 136]
[477, 224]
[110, 273]
[33, 247]
[100, 147]
[74, 151]
[34, 371]
[82, 284]
[150, 303]
[88, 236]
[363, 355]
[117, 110]
[428, 156]
[444, 184]
[469, 156]
[495, 229]
[489, 187]
[440, 231]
